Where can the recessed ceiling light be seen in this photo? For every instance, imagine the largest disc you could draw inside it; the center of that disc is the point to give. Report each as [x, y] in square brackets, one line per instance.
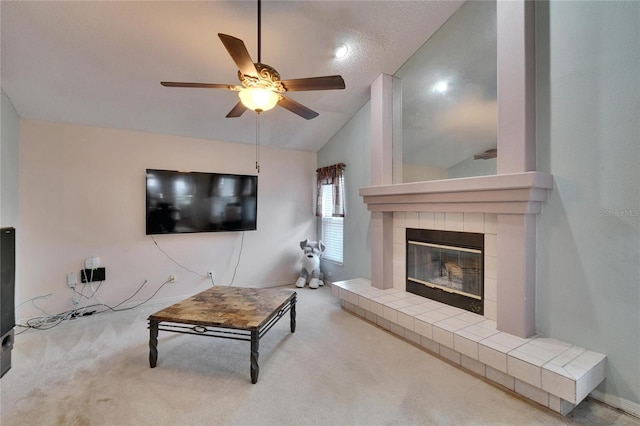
[341, 51]
[441, 87]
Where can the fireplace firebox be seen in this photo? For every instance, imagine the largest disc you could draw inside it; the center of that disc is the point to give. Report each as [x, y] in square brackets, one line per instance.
[446, 266]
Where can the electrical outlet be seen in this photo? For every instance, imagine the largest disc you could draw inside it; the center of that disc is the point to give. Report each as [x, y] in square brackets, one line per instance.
[72, 280]
[172, 278]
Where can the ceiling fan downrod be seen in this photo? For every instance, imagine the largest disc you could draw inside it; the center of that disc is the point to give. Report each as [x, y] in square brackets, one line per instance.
[259, 31]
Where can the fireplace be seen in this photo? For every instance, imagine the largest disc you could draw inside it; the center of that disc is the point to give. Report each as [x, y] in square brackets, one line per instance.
[446, 266]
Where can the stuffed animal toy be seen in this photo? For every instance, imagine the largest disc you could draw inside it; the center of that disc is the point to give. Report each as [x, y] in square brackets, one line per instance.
[311, 264]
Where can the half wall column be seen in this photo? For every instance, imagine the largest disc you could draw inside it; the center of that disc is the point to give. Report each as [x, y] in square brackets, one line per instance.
[516, 154]
[516, 274]
[382, 174]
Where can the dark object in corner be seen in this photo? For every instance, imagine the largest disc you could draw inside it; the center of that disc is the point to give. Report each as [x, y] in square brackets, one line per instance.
[7, 295]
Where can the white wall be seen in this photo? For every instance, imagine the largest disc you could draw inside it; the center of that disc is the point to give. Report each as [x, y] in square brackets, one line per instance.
[82, 193]
[9, 153]
[352, 145]
[588, 249]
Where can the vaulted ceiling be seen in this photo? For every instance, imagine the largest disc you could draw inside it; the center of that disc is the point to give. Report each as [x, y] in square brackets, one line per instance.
[101, 63]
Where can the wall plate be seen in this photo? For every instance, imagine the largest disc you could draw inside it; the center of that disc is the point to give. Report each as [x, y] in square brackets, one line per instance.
[91, 275]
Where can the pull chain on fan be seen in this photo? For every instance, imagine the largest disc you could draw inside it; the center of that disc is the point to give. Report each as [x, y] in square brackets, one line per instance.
[258, 142]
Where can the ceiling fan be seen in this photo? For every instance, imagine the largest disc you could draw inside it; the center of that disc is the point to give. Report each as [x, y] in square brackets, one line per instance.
[261, 88]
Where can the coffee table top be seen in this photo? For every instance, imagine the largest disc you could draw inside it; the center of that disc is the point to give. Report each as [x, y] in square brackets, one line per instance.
[230, 307]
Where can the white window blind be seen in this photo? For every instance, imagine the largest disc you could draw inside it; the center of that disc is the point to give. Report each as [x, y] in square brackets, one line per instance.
[332, 227]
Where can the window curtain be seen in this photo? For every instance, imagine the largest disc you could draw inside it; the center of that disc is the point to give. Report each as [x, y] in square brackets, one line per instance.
[331, 175]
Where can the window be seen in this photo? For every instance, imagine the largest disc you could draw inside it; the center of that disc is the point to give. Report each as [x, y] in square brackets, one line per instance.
[332, 227]
[330, 207]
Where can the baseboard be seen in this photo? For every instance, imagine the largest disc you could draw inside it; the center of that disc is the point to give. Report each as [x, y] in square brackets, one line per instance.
[617, 402]
[275, 284]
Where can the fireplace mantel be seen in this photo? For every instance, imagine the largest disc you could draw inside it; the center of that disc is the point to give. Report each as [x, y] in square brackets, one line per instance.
[515, 193]
[515, 198]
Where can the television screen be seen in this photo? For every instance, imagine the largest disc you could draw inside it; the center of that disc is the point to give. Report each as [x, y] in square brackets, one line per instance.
[187, 202]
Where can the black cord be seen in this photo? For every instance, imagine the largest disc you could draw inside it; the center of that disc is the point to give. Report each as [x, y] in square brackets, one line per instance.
[129, 298]
[139, 304]
[238, 262]
[174, 261]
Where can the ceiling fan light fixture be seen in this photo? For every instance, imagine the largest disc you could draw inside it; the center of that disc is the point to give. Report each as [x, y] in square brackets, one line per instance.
[258, 99]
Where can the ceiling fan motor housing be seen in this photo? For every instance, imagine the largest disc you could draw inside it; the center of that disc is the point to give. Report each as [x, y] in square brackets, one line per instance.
[268, 78]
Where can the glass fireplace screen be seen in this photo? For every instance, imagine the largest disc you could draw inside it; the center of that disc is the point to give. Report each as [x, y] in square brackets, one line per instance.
[452, 269]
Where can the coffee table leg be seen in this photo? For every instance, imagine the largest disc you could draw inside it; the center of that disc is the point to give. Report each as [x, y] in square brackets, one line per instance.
[293, 316]
[255, 342]
[153, 343]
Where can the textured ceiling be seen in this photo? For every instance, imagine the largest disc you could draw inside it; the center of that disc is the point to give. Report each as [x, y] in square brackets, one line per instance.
[101, 63]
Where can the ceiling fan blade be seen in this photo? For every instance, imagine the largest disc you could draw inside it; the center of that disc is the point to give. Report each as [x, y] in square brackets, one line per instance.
[237, 110]
[199, 85]
[329, 82]
[296, 108]
[239, 54]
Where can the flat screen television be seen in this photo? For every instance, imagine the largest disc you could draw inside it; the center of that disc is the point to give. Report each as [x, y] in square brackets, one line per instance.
[188, 202]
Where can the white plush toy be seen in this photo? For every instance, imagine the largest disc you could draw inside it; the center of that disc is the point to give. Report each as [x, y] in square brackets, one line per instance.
[311, 264]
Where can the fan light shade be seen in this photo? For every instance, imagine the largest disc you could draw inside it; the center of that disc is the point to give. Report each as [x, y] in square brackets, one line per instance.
[258, 98]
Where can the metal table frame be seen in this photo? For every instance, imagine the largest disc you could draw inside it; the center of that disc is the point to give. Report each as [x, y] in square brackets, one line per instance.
[252, 334]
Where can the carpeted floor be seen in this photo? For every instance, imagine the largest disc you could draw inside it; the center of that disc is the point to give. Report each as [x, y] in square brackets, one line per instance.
[336, 369]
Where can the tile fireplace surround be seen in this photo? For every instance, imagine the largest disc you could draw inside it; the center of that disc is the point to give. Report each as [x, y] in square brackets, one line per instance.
[554, 374]
[501, 345]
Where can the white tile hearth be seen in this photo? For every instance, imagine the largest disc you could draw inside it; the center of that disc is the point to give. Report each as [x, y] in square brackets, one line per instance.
[547, 371]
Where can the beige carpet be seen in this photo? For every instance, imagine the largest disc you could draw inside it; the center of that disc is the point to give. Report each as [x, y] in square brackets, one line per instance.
[335, 369]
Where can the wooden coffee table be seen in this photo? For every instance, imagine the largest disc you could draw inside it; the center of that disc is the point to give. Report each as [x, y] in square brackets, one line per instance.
[238, 313]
